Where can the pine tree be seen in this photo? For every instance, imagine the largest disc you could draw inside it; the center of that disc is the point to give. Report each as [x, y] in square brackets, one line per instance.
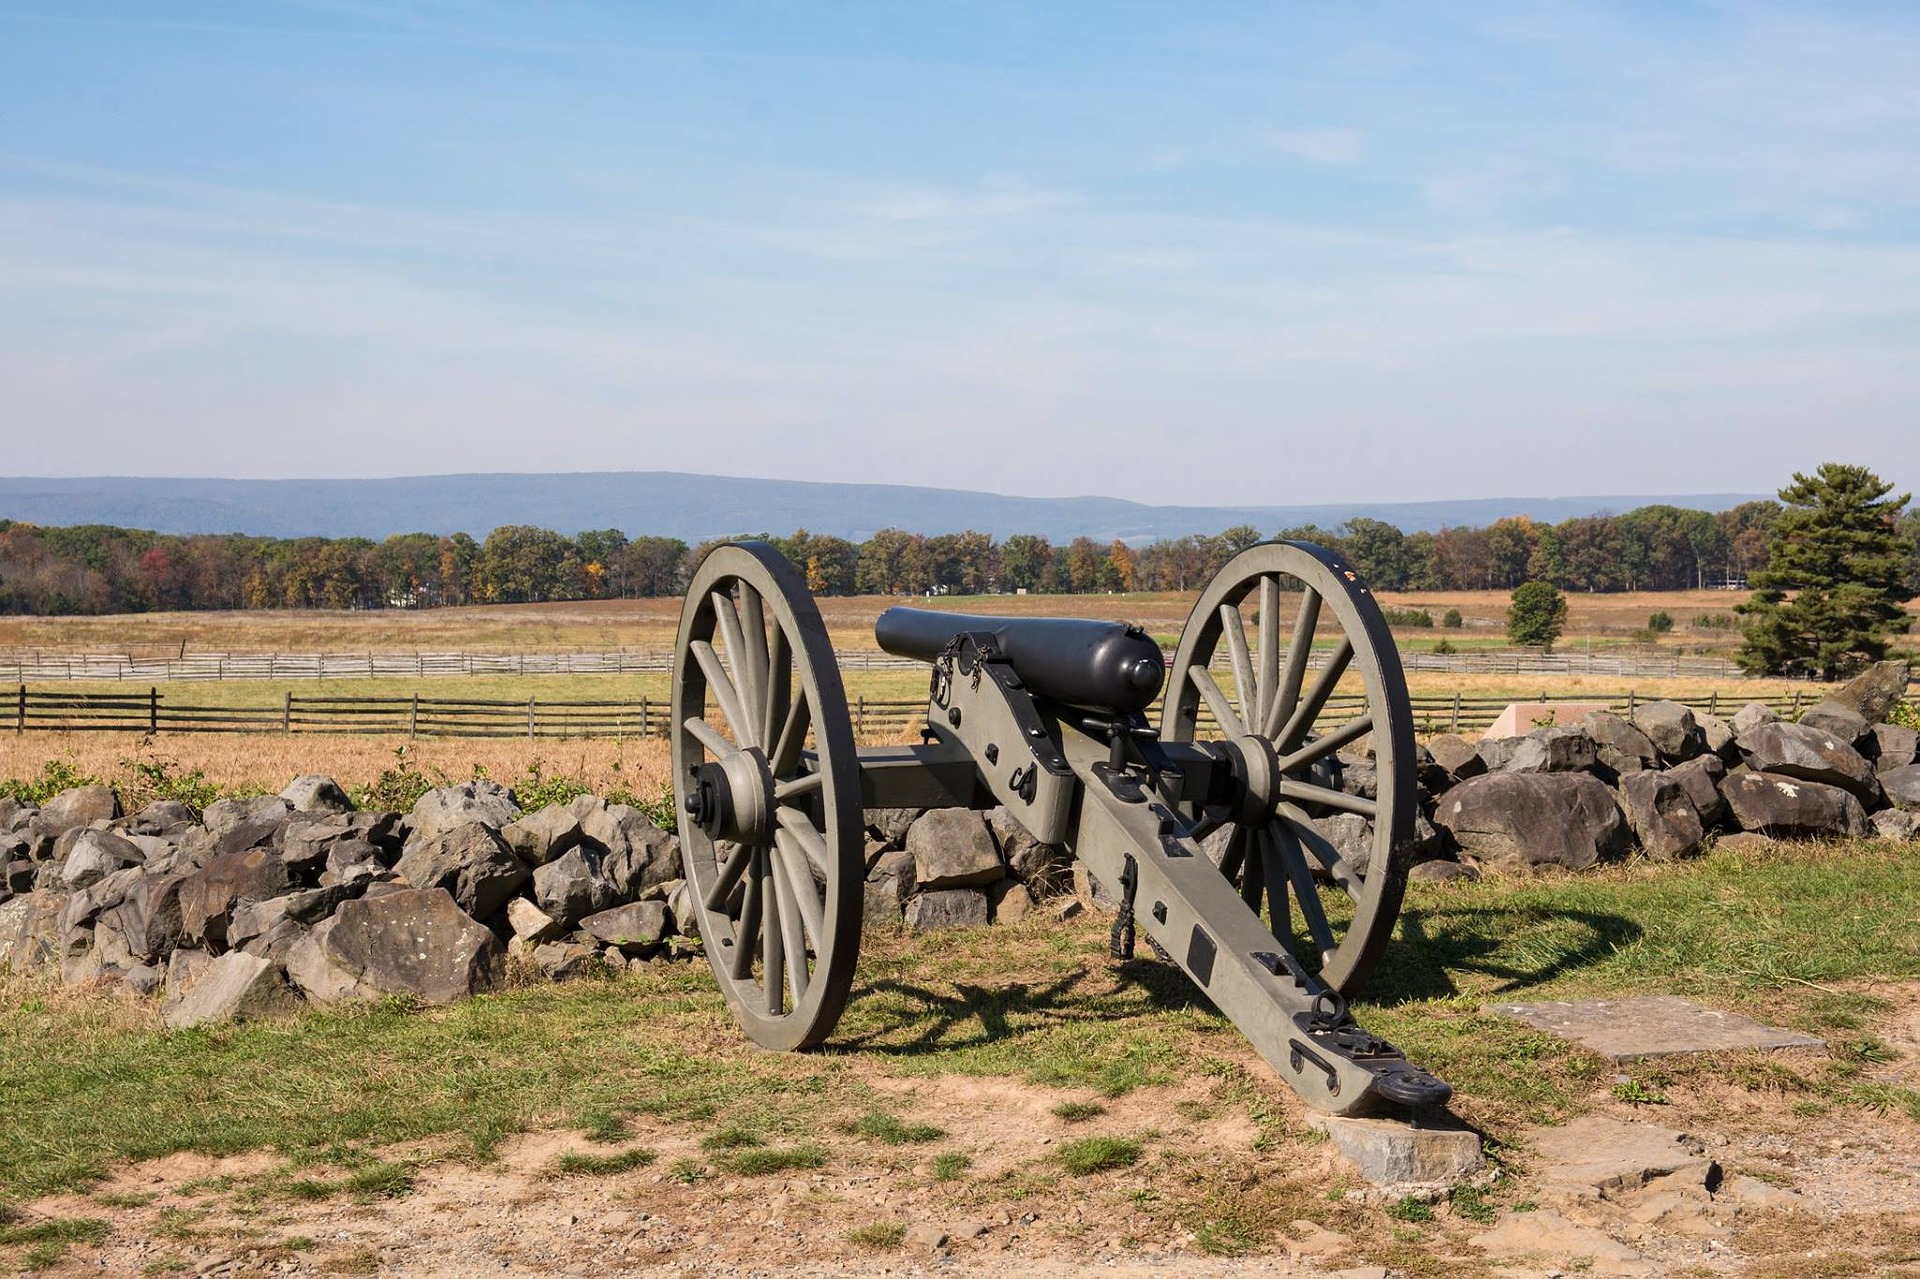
[1829, 600]
[1536, 615]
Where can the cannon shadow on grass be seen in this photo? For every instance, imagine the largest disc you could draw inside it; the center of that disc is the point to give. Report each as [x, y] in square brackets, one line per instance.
[1444, 952]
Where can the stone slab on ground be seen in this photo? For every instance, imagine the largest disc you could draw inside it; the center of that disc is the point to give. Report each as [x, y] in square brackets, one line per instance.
[1546, 1236]
[1395, 1152]
[1652, 1026]
[1594, 1157]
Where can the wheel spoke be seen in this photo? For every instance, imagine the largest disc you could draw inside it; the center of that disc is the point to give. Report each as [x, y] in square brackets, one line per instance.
[709, 736]
[792, 941]
[1204, 825]
[747, 932]
[779, 685]
[1288, 849]
[795, 787]
[1253, 883]
[1308, 793]
[730, 871]
[1236, 854]
[723, 692]
[799, 882]
[1299, 651]
[773, 951]
[1337, 867]
[1269, 675]
[1234, 627]
[1274, 874]
[1223, 712]
[753, 620]
[793, 736]
[1316, 699]
[746, 680]
[811, 841]
[1320, 747]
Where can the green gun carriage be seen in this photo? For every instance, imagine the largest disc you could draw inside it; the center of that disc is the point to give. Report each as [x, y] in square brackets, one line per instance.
[1203, 827]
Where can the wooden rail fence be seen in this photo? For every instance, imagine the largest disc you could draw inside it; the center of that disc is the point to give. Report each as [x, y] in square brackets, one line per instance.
[42, 710]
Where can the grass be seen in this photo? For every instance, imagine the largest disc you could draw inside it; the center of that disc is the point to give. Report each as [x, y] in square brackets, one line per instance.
[573, 1163]
[1077, 1112]
[1090, 1155]
[881, 1126]
[950, 1165]
[877, 1236]
[765, 1161]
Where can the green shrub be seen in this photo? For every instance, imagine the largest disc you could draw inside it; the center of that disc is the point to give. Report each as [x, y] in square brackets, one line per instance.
[1452, 620]
[1407, 617]
[1660, 623]
[56, 775]
[399, 786]
[1712, 621]
[1444, 647]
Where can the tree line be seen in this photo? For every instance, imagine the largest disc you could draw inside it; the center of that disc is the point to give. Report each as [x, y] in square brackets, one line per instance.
[103, 569]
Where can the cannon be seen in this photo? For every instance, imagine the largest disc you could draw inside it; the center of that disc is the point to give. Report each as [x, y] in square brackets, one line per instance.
[1202, 826]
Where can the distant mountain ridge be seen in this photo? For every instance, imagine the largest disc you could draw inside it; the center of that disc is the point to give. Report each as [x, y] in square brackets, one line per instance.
[696, 507]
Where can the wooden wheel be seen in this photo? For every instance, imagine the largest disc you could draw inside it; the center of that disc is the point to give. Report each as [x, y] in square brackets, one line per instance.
[768, 791]
[1279, 728]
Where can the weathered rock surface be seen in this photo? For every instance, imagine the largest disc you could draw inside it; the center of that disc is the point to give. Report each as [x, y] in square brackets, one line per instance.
[1618, 745]
[1672, 729]
[1797, 750]
[570, 887]
[639, 856]
[208, 896]
[531, 924]
[1517, 821]
[1789, 808]
[413, 941]
[952, 848]
[1351, 836]
[1752, 716]
[476, 802]
[1662, 814]
[1895, 746]
[81, 806]
[1895, 824]
[1873, 691]
[316, 793]
[1594, 1157]
[947, 908]
[1636, 1027]
[1561, 749]
[1902, 787]
[540, 837]
[94, 855]
[1545, 1233]
[639, 928]
[1838, 719]
[470, 861]
[234, 987]
[226, 815]
[1701, 778]
[1393, 1152]
[1457, 755]
[1044, 868]
[892, 824]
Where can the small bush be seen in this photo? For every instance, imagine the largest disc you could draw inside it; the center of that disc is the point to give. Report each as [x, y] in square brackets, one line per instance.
[1417, 617]
[1089, 1155]
[1410, 1209]
[536, 789]
[1470, 1205]
[1660, 623]
[1444, 647]
[1636, 1093]
[1712, 621]
[56, 775]
[1905, 714]
[399, 786]
[1452, 620]
[732, 1137]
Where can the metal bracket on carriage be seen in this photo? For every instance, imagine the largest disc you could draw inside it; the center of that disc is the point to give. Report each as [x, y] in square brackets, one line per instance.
[1328, 1025]
[1136, 762]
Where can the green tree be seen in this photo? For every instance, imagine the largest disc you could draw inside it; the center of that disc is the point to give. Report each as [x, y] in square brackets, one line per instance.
[1024, 559]
[1379, 551]
[1829, 600]
[1536, 615]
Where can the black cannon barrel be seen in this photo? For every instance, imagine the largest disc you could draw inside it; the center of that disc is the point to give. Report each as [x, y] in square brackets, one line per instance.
[1079, 661]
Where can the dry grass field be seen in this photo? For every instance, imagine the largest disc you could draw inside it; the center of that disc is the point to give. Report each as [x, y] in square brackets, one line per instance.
[648, 625]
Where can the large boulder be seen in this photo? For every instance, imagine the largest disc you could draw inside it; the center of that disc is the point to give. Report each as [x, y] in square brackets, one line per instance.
[470, 861]
[1662, 814]
[1701, 779]
[1560, 749]
[226, 815]
[952, 848]
[889, 886]
[234, 987]
[637, 856]
[208, 896]
[1497, 752]
[70, 810]
[1718, 736]
[638, 928]
[1672, 729]
[1517, 821]
[148, 917]
[1351, 836]
[1796, 750]
[1838, 719]
[316, 793]
[570, 887]
[947, 908]
[478, 802]
[1782, 807]
[1902, 786]
[538, 838]
[161, 817]
[1618, 745]
[414, 941]
[891, 825]
[1752, 716]
[1895, 824]
[1460, 757]
[1874, 691]
[94, 855]
[1895, 746]
[1046, 868]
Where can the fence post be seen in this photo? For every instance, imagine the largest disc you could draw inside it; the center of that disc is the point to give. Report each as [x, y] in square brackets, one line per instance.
[20, 723]
[529, 719]
[1456, 711]
[286, 713]
[646, 717]
[153, 710]
[1795, 716]
[1632, 704]
[1713, 702]
[860, 717]
[413, 717]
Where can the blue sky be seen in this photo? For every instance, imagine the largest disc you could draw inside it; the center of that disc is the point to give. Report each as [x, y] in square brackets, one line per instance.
[1220, 253]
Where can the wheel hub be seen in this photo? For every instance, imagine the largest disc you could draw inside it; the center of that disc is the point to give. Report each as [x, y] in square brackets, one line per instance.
[1256, 778]
[732, 798]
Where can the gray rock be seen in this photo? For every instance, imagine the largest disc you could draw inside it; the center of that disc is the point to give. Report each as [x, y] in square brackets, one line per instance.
[1873, 692]
[209, 895]
[478, 802]
[952, 848]
[1839, 720]
[1618, 745]
[1902, 786]
[1790, 808]
[142, 980]
[254, 919]
[683, 910]
[1752, 716]
[892, 824]
[886, 892]
[184, 968]
[570, 888]
[1895, 824]
[234, 987]
[565, 959]
[1460, 757]
[18, 876]
[1045, 868]
[227, 815]
[15, 815]
[1008, 902]
[1672, 729]
[94, 855]
[947, 908]
[1594, 1157]
[1442, 871]
[531, 924]
[318, 976]
[1497, 752]
[538, 838]
[316, 793]
[1563, 748]
[1662, 814]
[350, 855]
[312, 905]
[637, 928]
[278, 941]
[1393, 1152]
[148, 918]
[1359, 776]
[1894, 746]
[1516, 821]
[70, 809]
[1797, 750]
[1718, 735]
[470, 861]
[161, 817]
[413, 941]
[1351, 836]
[638, 856]
[1702, 777]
